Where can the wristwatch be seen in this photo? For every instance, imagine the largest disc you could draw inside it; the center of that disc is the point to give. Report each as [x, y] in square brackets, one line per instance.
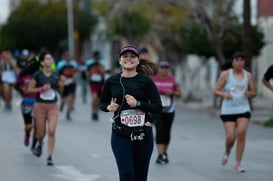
[138, 103]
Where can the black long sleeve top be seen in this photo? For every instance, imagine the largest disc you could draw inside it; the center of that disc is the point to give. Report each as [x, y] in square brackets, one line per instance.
[140, 86]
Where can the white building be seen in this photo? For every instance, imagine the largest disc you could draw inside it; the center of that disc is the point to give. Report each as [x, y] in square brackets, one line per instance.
[265, 21]
[4, 11]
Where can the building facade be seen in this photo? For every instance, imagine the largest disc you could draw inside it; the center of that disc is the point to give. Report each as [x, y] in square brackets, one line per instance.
[265, 21]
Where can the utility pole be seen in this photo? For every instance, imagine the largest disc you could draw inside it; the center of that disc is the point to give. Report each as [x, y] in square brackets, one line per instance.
[247, 30]
[70, 27]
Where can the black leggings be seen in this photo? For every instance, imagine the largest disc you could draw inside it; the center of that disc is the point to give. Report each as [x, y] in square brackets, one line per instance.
[163, 125]
[26, 112]
[132, 157]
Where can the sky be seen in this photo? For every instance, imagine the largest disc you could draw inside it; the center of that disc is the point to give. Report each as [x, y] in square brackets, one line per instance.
[239, 10]
[4, 10]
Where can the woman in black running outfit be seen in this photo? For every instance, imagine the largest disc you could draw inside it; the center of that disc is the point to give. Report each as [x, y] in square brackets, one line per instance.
[169, 89]
[45, 83]
[131, 96]
[28, 99]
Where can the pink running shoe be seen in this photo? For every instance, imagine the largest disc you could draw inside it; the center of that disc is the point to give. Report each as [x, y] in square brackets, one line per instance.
[239, 168]
[224, 159]
[26, 140]
[33, 149]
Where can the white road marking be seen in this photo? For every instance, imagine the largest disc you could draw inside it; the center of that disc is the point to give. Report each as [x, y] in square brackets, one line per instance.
[73, 174]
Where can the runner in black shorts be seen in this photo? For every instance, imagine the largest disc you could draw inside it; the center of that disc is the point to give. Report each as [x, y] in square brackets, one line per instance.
[68, 68]
[168, 89]
[236, 87]
[95, 74]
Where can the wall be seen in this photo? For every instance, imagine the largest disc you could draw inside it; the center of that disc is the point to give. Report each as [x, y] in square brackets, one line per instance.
[266, 57]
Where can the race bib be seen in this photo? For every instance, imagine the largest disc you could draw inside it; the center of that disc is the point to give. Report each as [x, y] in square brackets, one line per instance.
[238, 95]
[132, 117]
[68, 81]
[165, 100]
[48, 95]
[95, 77]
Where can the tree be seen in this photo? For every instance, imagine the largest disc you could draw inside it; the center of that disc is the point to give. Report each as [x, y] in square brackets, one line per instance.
[156, 23]
[195, 40]
[130, 24]
[34, 25]
[215, 22]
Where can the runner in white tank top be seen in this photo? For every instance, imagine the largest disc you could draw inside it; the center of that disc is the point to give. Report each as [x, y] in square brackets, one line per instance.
[236, 87]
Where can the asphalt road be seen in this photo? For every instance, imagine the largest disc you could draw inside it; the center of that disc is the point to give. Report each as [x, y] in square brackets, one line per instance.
[83, 151]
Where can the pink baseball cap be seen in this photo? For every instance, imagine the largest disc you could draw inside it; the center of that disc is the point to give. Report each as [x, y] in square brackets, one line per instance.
[129, 48]
[164, 63]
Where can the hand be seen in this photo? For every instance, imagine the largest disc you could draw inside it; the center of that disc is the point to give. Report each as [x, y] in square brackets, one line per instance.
[228, 96]
[168, 92]
[148, 124]
[24, 89]
[9, 56]
[131, 101]
[248, 94]
[61, 81]
[46, 86]
[113, 106]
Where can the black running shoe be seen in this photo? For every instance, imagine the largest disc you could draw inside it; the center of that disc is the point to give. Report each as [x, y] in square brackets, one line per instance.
[95, 117]
[38, 151]
[61, 107]
[162, 159]
[49, 161]
[68, 117]
[165, 157]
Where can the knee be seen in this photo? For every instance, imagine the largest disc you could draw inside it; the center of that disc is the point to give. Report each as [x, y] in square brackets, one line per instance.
[40, 134]
[29, 127]
[230, 139]
[51, 133]
[241, 135]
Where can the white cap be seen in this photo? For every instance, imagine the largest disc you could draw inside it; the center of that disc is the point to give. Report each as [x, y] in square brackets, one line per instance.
[25, 52]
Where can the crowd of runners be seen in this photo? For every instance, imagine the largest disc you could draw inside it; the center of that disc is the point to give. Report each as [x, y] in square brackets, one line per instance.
[38, 78]
[140, 94]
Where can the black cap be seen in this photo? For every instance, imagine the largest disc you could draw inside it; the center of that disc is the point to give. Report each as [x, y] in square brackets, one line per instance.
[144, 50]
[238, 54]
[129, 48]
[96, 54]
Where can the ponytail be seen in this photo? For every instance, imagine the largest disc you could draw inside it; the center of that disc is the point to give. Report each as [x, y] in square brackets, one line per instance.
[32, 68]
[146, 67]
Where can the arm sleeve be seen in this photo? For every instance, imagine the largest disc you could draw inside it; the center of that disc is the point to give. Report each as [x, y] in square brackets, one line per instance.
[35, 75]
[269, 73]
[154, 105]
[105, 96]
